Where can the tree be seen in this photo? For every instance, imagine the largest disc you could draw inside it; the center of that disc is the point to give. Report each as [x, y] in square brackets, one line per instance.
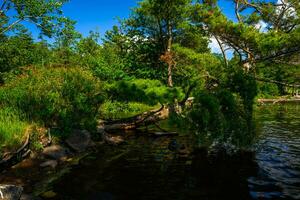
[253, 43]
[15, 51]
[158, 21]
[44, 14]
[65, 42]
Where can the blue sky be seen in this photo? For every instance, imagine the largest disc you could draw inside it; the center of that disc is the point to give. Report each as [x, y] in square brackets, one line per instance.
[101, 15]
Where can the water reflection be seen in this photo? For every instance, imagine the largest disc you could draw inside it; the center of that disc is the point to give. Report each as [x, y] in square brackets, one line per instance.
[152, 171]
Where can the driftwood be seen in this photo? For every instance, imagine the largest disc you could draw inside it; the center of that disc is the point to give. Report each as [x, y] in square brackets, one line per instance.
[144, 119]
[11, 159]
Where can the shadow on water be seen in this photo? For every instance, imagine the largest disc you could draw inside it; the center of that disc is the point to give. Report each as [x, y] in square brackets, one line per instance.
[147, 168]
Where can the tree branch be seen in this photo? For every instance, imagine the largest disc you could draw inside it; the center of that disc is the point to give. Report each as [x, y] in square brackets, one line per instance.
[222, 50]
[2, 6]
[11, 26]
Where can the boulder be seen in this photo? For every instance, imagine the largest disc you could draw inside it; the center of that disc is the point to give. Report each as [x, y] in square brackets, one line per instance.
[80, 140]
[49, 163]
[10, 192]
[56, 152]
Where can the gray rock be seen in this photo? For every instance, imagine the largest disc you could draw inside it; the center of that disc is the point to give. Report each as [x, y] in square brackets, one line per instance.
[10, 192]
[49, 163]
[80, 140]
[56, 152]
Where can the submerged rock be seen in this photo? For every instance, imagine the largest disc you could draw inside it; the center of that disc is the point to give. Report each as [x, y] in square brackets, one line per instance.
[56, 152]
[10, 192]
[80, 140]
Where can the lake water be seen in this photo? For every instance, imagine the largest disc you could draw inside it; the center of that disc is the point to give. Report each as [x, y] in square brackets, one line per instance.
[149, 168]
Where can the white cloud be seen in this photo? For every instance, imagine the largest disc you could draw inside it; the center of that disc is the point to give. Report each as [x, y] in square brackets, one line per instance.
[261, 26]
[214, 46]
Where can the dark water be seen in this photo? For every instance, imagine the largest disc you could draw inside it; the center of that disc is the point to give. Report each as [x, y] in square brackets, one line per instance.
[166, 168]
[277, 153]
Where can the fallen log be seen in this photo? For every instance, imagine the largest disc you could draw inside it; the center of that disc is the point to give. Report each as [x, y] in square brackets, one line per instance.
[144, 119]
[282, 100]
[12, 158]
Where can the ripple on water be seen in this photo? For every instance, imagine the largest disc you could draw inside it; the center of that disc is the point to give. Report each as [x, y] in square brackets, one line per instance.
[278, 157]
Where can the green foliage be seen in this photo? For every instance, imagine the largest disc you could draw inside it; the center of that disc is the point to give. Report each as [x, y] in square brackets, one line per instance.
[220, 116]
[118, 110]
[44, 14]
[267, 90]
[146, 91]
[108, 65]
[194, 68]
[63, 97]
[15, 52]
[240, 82]
[12, 128]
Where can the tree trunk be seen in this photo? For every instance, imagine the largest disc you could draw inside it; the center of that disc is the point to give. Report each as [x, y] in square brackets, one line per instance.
[169, 53]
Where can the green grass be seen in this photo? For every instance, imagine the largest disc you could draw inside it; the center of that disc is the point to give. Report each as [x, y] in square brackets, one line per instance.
[12, 129]
[121, 110]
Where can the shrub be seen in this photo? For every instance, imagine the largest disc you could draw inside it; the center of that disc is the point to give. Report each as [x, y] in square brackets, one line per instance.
[12, 128]
[57, 97]
[146, 91]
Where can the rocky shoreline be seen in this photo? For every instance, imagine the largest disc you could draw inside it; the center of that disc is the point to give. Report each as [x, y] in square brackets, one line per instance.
[53, 161]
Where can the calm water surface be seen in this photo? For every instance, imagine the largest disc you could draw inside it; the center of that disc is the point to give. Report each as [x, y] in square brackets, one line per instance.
[149, 168]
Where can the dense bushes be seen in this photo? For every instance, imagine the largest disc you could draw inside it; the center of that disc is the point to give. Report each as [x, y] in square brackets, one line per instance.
[62, 97]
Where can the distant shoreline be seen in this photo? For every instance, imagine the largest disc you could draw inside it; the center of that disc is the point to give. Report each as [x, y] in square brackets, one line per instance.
[280, 100]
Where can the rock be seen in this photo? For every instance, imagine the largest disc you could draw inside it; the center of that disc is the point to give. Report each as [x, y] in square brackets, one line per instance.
[49, 163]
[80, 140]
[29, 197]
[56, 152]
[10, 192]
[114, 140]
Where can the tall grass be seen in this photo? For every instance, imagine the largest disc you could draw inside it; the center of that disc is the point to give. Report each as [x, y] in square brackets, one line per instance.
[120, 110]
[12, 128]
